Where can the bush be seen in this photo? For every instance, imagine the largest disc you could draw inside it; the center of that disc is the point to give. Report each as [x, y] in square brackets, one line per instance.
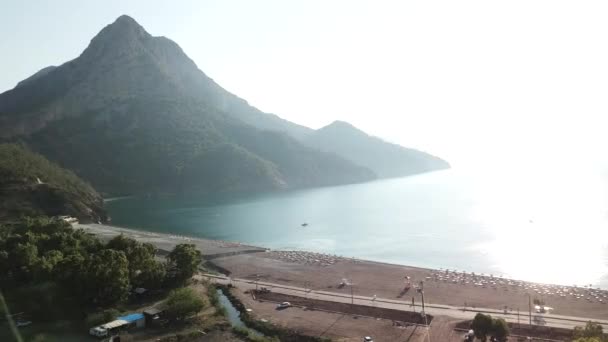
[500, 329]
[240, 331]
[250, 336]
[591, 331]
[214, 299]
[183, 302]
[485, 325]
[482, 325]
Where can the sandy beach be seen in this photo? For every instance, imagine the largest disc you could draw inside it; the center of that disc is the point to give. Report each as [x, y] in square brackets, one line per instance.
[166, 242]
[461, 288]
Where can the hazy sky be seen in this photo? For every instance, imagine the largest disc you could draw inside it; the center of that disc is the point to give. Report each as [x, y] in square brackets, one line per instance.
[472, 81]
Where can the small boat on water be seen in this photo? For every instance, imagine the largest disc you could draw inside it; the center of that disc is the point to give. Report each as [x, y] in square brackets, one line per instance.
[304, 224]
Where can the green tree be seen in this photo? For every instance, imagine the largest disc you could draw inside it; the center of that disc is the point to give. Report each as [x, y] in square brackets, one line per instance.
[141, 258]
[592, 330]
[151, 276]
[25, 261]
[482, 326]
[41, 251]
[70, 268]
[47, 264]
[183, 262]
[183, 302]
[107, 277]
[500, 329]
[122, 243]
[144, 270]
[4, 262]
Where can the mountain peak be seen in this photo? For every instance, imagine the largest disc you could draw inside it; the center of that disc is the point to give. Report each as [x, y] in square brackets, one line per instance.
[126, 19]
[121, 36]
[341, 124]
[342, 127]
[125, 25]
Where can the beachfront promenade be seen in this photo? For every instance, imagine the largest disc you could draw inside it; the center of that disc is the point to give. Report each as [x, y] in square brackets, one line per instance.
[551, 320]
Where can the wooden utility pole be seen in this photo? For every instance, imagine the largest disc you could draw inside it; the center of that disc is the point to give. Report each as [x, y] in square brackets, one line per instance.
[423, 310]
[530, 308]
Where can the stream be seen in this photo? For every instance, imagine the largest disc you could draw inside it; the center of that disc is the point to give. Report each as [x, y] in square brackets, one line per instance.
[233, 315]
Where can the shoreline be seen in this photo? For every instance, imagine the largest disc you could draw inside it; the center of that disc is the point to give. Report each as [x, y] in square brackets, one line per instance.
[165, 241]
[105, 229]
[370, 278]
[400, 243]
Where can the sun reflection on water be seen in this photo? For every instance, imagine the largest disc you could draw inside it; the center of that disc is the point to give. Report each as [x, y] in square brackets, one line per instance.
[544, 226]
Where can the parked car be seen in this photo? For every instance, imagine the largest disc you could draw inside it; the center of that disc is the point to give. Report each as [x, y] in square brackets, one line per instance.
[368, 339]
[284, 305]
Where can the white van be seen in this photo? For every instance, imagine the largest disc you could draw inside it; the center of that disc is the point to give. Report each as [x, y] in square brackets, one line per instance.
[99, 331]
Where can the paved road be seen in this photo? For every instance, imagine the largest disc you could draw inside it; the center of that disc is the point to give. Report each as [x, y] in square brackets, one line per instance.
[559, 321]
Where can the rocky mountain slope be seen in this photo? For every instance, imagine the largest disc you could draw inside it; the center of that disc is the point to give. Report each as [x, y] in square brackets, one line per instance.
[385, 159]
[134, 114]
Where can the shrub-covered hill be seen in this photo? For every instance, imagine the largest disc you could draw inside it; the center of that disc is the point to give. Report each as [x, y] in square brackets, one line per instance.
[31, 185]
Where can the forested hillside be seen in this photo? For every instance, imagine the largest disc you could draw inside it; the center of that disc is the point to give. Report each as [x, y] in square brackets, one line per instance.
[31, 185]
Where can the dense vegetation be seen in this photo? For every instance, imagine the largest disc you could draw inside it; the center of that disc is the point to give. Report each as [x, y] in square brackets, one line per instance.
[182, 303]
[31, 185]
[133, 114]
[591, 332]
[485, 325]
[51, 271]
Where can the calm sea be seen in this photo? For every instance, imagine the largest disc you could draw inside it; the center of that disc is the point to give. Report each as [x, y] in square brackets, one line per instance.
[538, 226]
